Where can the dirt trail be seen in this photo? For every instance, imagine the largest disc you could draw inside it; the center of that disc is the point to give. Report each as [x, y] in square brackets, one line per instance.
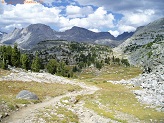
[26, 115]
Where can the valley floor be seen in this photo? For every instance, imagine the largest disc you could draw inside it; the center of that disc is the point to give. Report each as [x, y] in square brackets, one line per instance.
[88, 99]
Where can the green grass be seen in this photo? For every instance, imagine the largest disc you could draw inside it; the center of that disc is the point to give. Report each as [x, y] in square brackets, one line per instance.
[111, 72]
[57, 115]
[117, 98]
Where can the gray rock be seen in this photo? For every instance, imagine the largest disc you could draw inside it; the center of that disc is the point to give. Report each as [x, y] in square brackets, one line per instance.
[24, 94]
[162, 77]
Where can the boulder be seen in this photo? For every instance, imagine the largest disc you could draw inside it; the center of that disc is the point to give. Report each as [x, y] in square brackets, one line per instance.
[25, 94]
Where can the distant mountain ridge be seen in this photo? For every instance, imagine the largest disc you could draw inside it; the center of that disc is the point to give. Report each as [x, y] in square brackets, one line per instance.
[28, 37]
[82, 34]
[124, 36]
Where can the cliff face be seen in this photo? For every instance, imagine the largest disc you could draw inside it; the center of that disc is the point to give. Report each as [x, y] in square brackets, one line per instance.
[145, 47]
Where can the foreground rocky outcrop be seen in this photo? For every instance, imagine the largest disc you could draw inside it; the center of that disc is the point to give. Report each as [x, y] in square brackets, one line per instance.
[151, 87]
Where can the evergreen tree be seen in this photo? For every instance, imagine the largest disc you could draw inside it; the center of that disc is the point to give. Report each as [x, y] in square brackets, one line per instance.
[75, 69]
[9, 54]
[36, 64]
[113, 59]
[24, 61]
[125, 62]
[99, 65]
[3, 55]
[117, 60]
[107, 60]
[61, 67]
[52, 66]
[15, 57]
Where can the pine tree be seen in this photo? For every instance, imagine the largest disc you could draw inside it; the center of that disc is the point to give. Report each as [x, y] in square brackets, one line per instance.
[15, 57]
[125, 62]
[24, 61]
[9, 54]
[3, 55]
[61, 67]
[52, 66]
[36, 64]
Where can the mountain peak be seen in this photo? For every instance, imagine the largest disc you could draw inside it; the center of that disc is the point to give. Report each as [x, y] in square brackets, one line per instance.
[76, 28]
[124, 36]
[38, 26]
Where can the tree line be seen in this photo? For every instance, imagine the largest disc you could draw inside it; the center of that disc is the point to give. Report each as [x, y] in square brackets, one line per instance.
[12, 56]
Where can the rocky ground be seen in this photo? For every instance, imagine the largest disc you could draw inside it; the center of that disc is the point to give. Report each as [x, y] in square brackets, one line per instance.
[29, 113]
[151, 87]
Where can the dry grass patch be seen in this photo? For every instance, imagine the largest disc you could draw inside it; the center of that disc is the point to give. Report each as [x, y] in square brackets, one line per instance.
[57, 115]
[9, 90]
[4, 72]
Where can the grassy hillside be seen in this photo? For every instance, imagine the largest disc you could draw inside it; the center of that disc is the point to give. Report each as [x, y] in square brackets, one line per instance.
[117, 101]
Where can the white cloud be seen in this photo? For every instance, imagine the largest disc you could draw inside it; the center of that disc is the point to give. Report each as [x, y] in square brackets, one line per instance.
[76, 11]
[126, 28]
[64, 17]
[134, 14]
[22, 15]
[25, 14]
[139, 18]
[73, 10]
[11, 26]
[114, 33]
[97, 20]
[132, 20]
[94, 30]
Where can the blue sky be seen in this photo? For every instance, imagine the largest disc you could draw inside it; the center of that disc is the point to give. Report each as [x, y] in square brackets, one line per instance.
[114, 16]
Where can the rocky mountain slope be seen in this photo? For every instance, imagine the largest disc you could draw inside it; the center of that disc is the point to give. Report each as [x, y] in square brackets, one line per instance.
[145, 47]
[27, 37]
[124, 36]
[82, 34]
[70, 52]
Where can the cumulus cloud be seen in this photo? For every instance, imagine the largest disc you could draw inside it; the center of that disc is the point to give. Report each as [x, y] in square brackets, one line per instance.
[97, 20]
[94, 30]
[132, 20]
[134, 14]
[25, 14]
[21, 15]
[126, 28]
[115, 33]
[76, 11]
[102, 15]
[141, 16]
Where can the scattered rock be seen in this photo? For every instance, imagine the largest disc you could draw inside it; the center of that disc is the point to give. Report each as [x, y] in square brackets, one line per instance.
[27, 95]
[152, 85]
